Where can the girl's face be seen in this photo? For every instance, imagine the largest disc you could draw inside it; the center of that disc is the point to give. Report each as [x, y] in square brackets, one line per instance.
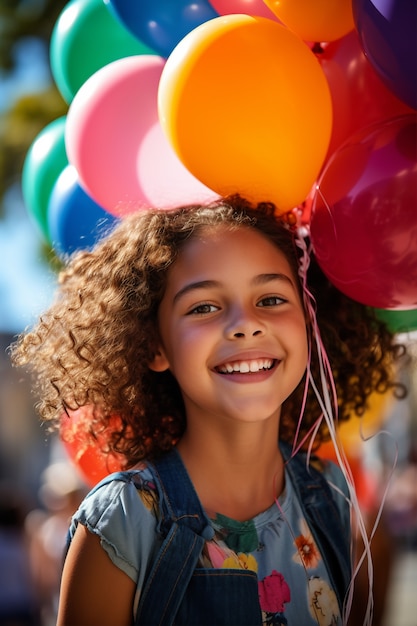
[232, 326]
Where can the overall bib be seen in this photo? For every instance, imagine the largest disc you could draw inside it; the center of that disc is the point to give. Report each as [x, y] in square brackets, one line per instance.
[179, 593]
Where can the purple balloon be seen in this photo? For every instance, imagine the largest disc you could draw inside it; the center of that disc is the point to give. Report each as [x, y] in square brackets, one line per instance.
[387, 31]
[364, 216]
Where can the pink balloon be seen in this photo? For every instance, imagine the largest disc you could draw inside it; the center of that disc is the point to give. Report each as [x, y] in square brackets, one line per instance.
[249, 7]
[115, 142]
[364, 216]
[178, 185]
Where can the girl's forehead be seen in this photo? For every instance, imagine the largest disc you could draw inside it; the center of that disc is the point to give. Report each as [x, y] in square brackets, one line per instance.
[212, 244]
[222, 233]
[230, 258]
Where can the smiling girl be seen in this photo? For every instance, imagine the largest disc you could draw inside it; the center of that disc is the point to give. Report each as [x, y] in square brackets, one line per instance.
[197, 329]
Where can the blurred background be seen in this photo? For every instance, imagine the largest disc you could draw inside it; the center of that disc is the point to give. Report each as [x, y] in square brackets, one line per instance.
[39, 486]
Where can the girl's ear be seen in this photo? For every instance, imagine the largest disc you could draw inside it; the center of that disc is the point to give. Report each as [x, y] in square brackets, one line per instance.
[160, 362]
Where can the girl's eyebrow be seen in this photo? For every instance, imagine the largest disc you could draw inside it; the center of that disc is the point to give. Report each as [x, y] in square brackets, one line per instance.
[261, 279]
[201, 284]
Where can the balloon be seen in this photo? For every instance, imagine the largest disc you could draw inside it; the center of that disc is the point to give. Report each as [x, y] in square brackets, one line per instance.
[250, 7]
[352, 435]
[44, 161]
[387, 30]
[86, 37]
[398, 321]
[247, 109]
[75, 221]
[359, 96]
[161, 24]
[87, 453]
[321, 20]
[115, 141]
[364, 216]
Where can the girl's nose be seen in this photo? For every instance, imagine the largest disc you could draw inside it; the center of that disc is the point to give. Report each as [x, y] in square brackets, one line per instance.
[239, 334]
[244, 325]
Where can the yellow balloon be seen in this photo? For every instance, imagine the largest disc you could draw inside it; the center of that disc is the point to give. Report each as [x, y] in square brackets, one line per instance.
[315, 20]
[247, 109]
[355, 431]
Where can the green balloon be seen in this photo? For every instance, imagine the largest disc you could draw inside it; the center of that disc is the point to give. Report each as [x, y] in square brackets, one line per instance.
[44, 162]
[398, 321]
[85, 38]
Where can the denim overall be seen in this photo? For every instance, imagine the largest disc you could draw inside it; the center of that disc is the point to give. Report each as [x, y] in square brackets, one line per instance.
[177, 592]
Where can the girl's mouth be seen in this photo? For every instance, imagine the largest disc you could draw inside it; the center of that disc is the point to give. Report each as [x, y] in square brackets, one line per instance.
[246, 367]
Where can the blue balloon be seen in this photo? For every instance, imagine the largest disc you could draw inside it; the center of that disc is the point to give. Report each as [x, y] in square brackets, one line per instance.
[161, 24]
[75, 221]
[387, 31]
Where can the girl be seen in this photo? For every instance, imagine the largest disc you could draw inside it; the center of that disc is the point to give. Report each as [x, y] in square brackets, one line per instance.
[197, 329]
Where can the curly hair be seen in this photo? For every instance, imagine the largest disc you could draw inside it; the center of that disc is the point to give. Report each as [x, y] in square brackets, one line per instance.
[93, 346]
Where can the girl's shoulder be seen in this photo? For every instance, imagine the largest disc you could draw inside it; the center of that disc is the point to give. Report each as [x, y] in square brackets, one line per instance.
[308, 471]
[337, 482]
[330, 471]
[132, 490]
[123, 511]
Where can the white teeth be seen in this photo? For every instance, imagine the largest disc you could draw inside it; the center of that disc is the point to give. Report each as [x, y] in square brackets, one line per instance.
[243, 367]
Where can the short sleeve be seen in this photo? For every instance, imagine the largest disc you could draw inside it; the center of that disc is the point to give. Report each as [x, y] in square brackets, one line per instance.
[121, 511]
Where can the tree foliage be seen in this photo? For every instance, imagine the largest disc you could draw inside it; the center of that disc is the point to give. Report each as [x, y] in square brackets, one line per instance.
[25, 18]
[23, 120]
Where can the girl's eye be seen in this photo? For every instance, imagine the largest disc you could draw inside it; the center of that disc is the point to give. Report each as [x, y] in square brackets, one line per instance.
[271, 301]
[203, 309]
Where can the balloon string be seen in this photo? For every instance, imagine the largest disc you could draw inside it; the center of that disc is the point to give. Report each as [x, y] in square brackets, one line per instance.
[326, 395]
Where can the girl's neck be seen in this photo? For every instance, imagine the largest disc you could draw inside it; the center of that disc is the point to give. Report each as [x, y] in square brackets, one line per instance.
[238, 475]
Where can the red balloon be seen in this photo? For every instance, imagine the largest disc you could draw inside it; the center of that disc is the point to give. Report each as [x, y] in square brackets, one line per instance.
[88, 453]
[364, 216]
[359, 96]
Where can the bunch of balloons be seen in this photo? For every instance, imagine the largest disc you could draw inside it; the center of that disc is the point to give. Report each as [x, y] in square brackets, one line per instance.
[310, 105]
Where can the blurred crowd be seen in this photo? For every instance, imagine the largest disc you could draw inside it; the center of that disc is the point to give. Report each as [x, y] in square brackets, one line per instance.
[32, 545]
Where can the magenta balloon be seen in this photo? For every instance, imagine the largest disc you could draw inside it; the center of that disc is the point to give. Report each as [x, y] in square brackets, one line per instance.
[257, 8]
[114, 140]
[359, 96]
[364, 216]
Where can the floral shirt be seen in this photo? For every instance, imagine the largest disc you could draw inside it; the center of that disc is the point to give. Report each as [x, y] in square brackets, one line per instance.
[293, 583]
[294, 586]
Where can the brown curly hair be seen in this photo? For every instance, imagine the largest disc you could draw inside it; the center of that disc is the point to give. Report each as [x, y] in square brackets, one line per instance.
[93, 346]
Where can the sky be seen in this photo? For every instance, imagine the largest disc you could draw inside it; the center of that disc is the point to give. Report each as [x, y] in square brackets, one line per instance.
[26, 281]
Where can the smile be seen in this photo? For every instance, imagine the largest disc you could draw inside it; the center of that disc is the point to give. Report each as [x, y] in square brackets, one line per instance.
[246, 367]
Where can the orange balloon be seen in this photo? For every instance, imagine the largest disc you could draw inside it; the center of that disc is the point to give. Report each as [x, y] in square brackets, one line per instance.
[247, 109]
[318, 20]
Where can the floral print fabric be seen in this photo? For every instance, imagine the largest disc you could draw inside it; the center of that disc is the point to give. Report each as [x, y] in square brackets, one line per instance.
[293, 583]
[294, 586]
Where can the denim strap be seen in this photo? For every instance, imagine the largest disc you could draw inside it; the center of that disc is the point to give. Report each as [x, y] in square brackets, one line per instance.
[323, 519]
[187, 528]
[167, 582]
